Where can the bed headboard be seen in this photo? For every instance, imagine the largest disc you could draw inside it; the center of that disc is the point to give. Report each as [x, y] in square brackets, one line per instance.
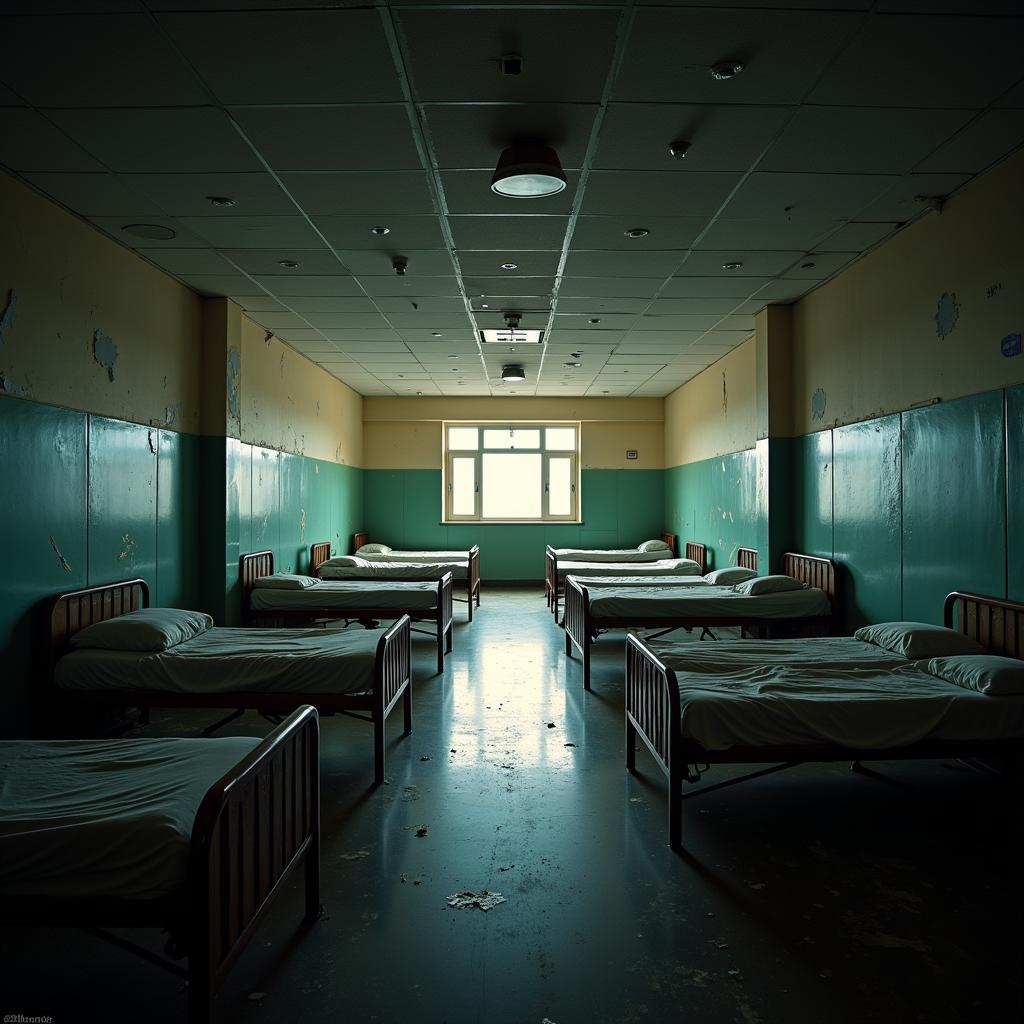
[994, 622]
[699, 553]
[746, 558]
[672, 541]
[812, 570]
[318, 554]
[250, 568]
[80, 608]
[358, 540]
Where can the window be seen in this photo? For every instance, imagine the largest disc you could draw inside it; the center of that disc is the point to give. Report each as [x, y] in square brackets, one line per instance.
[521, 473]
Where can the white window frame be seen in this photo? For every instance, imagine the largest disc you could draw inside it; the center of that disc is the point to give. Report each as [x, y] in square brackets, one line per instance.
[573, 515]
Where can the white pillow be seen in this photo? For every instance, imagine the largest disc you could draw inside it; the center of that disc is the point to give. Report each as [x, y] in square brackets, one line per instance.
[373, 549]
[653, 545]
[686, 567]
[727, 577]
[918, 639]
[148, 629]
[769, 585]
[341, 560]
[986, 673]
[286, 581]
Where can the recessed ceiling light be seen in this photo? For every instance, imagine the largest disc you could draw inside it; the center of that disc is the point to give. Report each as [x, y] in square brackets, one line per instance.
[604, 392]
[725, 70]
[288, 264]
[594, 320]
[637, 232]
[678, 149]
[380, 230]
[455, 369]
[221, 200]
[732, 266]
[576, 355]
[510, 266]
[573, 364]
[158, 231]
[484, 306]
[460, 382]
[528, 170]
[419, 392]
[436, 334]
[807, 265]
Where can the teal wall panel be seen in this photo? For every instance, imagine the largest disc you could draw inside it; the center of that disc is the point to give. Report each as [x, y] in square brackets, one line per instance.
[811, 489]
[43, 452]
[867, 520]
[954, 502]
[177, 527]
[266, 501]
[1015, 493]
[620, 508]
[349, 498]
[122, 501]
[292, 513]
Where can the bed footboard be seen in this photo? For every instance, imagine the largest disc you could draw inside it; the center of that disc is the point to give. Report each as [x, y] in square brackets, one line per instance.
[473, 579]
[255, 826]
[444, 619]
[578, 627]
[392, 680]
[550, 574]
[653, 714]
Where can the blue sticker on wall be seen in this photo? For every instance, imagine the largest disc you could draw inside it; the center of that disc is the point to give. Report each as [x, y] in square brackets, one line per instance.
[1011, 345]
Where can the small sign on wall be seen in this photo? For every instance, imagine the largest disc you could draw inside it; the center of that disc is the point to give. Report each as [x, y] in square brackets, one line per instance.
[1010, 345]
[632, 453]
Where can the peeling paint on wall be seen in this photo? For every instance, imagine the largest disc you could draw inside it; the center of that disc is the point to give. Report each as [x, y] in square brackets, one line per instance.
[7, 317]
[819, 401]
[171, 413]
[234, 380]
[152, 442]
[104, 351]
[946, 315]
[302, 524]
[268, 337]
[725, 395]
[9, 387]
[127, 552]
[282, 364]
[61, 560]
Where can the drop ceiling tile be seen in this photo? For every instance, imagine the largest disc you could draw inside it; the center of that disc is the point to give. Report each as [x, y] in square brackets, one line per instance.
[924, 62]
[188, 261]
[670, 51]
[631, 287]
[819, 265]
[454, 53]
[354, 233]
[599, 305]
[657, 193]
[316, 348]
[360, 138]
[369, 350]
[499, 286]
[501, 233]
[718, 340]
[1013, 97]
[331, 322]
[256, 305]
[279, 321]
[183, 239]
[420, 263]
[569, 336]
[9, 98]
[697, 306]
[30, 142]
[900, 203]
[101, 60]
[97, 195]
[618, 263]
[778, 234]
[297, 335]
[581, 322]
[535, 306]
[806, 199]
[421, 305]
[409, 285]
[331, 304]
[268, 261]
[254, 232]
[756, 263]
[215, 284]
[981, 144]
[163, 140]
[473, 136]
[856, 236]
[713, 287]
[609, 232]
[422, 335]
[744, 323]
[470, 192]
[648, 363]
[362, 338]
[781, 292]
[339, 194]
[310, 285]
[255, 193]
[529, 264]
[330, 57]
[440, 322]
[678, 322]
[636, 136]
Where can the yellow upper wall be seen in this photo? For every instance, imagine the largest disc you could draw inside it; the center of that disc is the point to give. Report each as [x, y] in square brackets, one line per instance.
[716, 412]
[405, 433]
[70, 282]
[291, 404]
[869, 339]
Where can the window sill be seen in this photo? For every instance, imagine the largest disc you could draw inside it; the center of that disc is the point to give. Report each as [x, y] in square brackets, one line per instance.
[511, 522]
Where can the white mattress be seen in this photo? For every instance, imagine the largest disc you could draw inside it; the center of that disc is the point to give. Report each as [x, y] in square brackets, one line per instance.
[430, 557]
[663, 567]
[394, 570]
[225, 660]
[341, 595]
[705, 602]
[110, 818]
[842, 652]
[863, 708]
[617, 555]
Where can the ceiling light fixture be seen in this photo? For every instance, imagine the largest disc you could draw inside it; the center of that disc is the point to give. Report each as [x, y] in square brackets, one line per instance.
[510, 266]
[637, 232]
[594, 320]
[513, 374]
[737, 265]
[807, 265]
[678, 149]
[221, 200]
[380, 230]
[436, 334]
[288, 264]
[528, 170]
[573, 364]
[157, 231]
[726, 70]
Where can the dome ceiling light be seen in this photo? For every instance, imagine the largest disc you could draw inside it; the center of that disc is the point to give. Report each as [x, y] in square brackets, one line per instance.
[513, 374]
[528, 170]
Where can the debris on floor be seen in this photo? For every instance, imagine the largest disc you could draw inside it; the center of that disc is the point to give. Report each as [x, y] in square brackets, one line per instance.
[551, 725]
[509, 868]
[483, 900]
[568, 744]
[425, 757]
[255, 997]
[421, 831]
[355, 855]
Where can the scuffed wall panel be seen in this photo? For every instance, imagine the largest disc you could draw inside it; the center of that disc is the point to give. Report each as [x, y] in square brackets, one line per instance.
[812, 494]
[43, 523]
[954, 503]
[266, 501]
[867, 520]
[177, 529]
[1015, 499]
[122, 501]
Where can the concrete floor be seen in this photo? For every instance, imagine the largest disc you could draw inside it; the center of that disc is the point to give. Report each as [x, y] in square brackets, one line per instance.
[815, 895]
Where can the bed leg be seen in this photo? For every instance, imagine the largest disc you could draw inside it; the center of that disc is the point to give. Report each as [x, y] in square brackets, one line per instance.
[469, 604]
[378, 748]
[478, 595]
[568, 644]
[440, 649]
[675, 808]
[586, 662]
[630, 745]
[448, 639]
[407, 709]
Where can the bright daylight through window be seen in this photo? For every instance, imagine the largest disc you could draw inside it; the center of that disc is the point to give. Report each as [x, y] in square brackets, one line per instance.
[523, 472]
